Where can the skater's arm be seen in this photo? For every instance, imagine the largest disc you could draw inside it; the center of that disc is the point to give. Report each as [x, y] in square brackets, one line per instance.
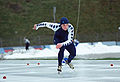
[53, 26]
[70, 36]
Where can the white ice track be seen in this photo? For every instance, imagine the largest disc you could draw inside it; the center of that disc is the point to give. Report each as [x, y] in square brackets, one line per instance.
[85, 71]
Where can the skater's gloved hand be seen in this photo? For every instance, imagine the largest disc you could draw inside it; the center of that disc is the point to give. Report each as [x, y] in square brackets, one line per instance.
[35, 27]
[59, 45]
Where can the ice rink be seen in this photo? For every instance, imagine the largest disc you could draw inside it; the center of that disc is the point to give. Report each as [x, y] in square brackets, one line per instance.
[85, 71]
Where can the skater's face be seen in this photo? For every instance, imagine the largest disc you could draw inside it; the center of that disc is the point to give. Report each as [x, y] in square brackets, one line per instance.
[64, 26]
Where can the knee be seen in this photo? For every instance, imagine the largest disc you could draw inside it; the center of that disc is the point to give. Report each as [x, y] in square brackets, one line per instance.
[74, 53]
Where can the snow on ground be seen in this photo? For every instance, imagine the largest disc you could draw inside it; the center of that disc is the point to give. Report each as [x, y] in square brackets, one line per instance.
[83, 50]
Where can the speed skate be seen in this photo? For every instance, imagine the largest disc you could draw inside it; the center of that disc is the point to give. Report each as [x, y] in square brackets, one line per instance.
[66, 62]
[59, 69]
[69, 64]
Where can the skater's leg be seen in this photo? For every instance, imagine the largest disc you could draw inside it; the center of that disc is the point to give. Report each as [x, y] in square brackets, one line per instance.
[60, 56]
[72, 50]
[26, 46]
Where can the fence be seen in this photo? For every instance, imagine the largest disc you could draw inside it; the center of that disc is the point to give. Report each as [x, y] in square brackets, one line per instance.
[48, 39]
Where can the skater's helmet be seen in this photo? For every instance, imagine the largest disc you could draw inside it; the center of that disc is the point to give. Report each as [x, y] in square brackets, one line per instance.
[64, 20]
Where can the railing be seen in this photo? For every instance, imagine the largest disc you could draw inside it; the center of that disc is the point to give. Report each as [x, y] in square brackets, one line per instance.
[48, 39]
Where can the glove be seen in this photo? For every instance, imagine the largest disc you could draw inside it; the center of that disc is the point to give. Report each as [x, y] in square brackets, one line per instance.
[35, 27]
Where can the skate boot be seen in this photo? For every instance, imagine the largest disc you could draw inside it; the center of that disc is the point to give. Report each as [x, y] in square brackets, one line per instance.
[70, 64]
[59, 69]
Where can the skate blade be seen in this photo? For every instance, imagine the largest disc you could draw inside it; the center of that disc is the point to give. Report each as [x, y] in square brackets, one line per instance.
[58, 72]
[72, 67]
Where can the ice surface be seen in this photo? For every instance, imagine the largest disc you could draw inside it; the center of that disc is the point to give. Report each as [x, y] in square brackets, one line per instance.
[85, 71]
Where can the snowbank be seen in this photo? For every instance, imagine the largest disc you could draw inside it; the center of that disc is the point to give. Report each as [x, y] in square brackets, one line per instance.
[83, 50]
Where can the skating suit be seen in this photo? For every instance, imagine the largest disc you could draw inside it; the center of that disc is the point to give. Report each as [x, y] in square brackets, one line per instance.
[63, 37]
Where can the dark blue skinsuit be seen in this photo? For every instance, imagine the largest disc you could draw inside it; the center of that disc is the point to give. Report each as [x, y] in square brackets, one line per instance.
[62, 36]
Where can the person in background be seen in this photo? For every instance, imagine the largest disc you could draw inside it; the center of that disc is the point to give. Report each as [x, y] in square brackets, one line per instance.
[27, 43]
